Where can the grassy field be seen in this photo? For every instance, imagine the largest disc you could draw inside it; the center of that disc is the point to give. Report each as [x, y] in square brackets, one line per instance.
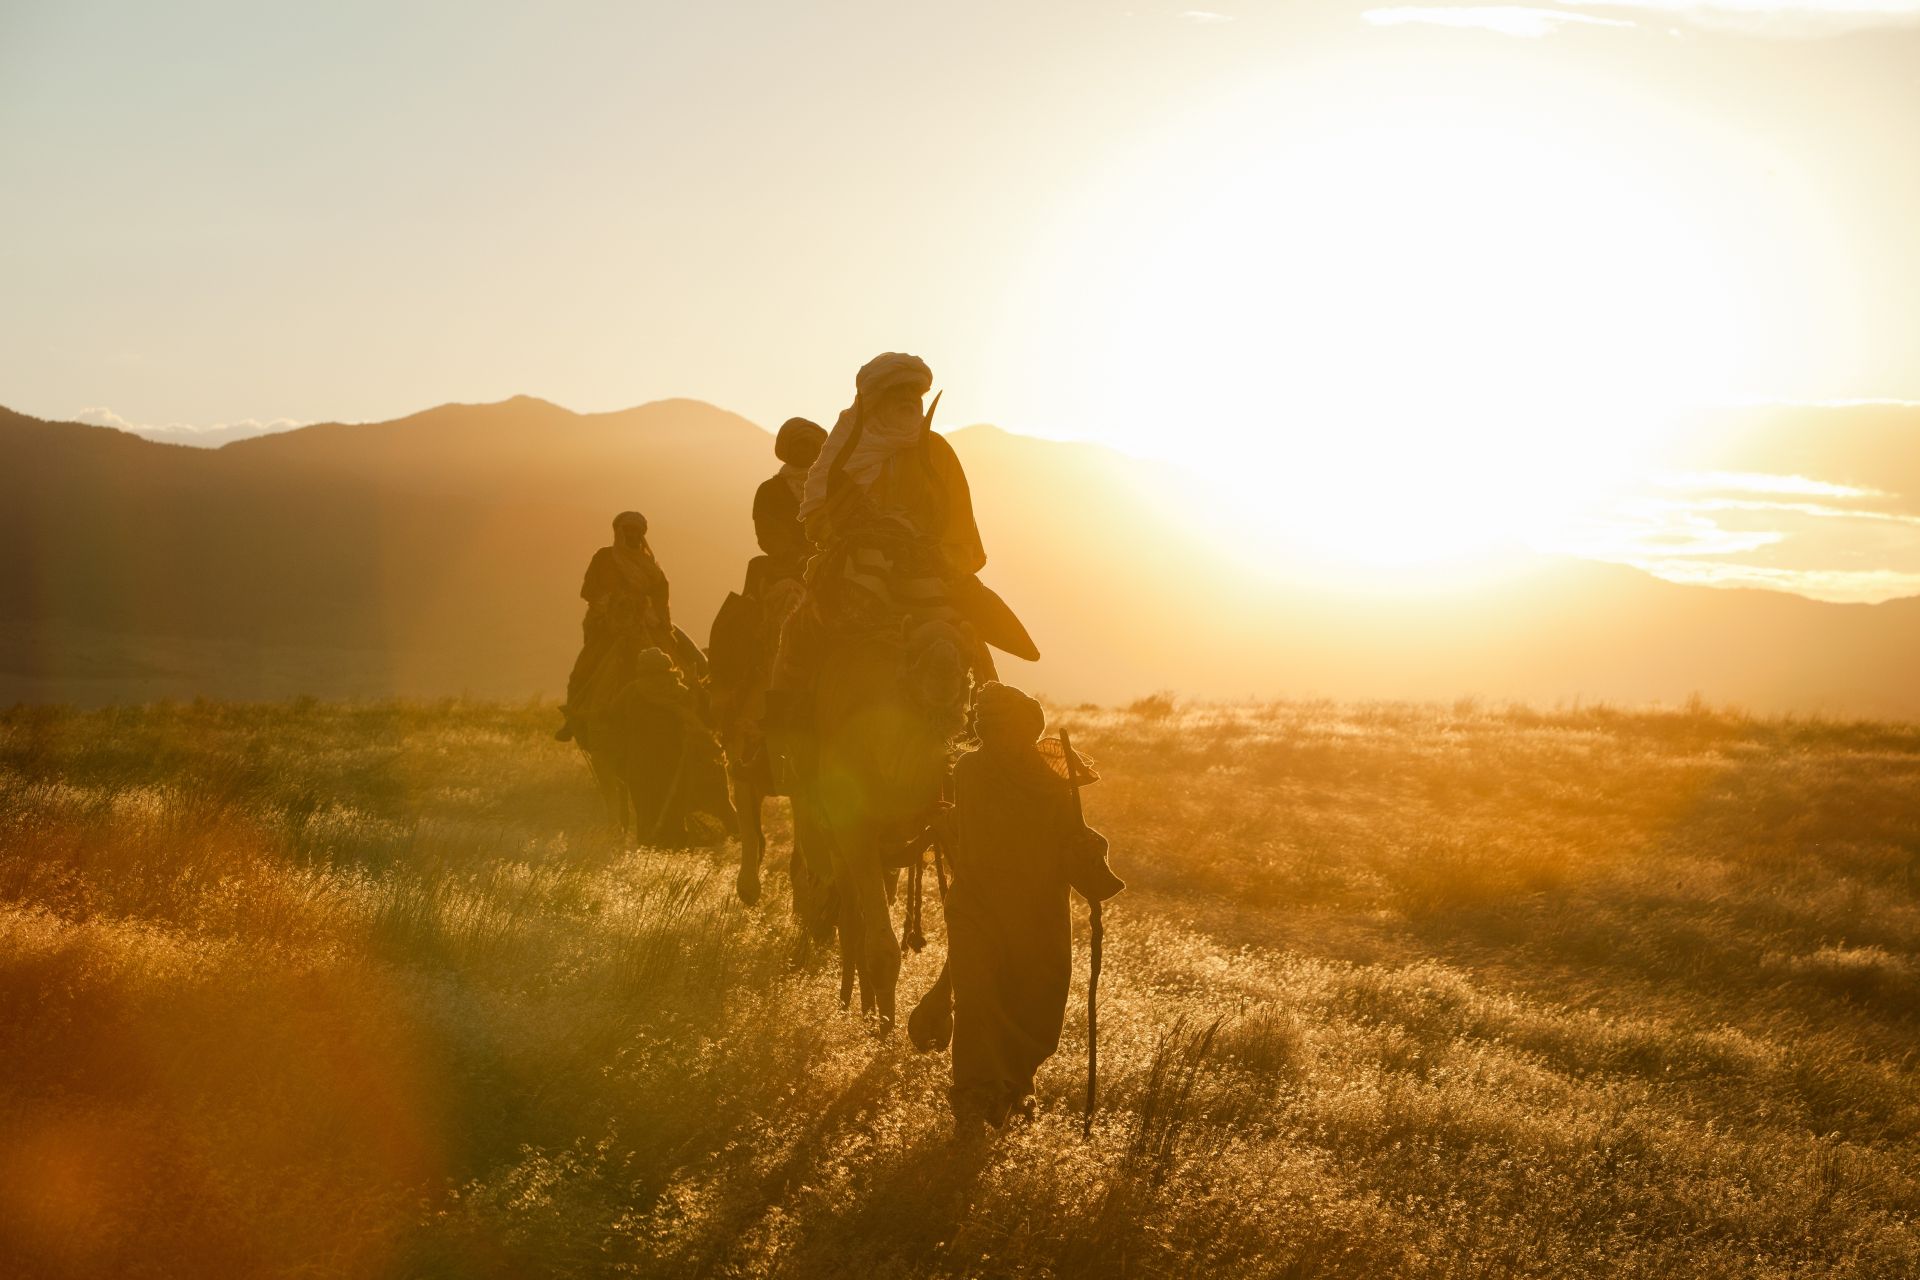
[317, 989]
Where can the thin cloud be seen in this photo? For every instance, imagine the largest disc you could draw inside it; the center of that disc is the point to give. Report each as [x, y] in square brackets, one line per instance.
[1749, 529]
[1780, 18]
[1506, 20]
[1760, 482]
[1815, 509]
[1205, 16]
[1857, 402]
[204, 437]
[102, 417]
[1836, 586]
[1655, 530]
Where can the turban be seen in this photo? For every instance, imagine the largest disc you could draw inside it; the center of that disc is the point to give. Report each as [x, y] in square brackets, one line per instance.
[1006, 717]
[629, 517]
[877, 441]
[892, 369]
[799, 441]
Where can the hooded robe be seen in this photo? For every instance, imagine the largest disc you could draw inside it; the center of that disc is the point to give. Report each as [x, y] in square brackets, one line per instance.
[1018, 847]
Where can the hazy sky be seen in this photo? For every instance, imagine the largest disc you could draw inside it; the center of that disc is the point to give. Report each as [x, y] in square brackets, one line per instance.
[1491, 241]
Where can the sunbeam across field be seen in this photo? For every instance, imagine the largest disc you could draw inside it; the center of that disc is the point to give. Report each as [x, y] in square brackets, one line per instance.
[1395, 990]
[555, 561]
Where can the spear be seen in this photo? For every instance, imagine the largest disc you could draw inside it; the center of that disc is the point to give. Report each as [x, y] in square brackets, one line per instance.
[1074, 782]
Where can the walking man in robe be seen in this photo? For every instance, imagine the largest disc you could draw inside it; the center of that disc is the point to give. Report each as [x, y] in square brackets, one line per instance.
[1018, 846]
[626, 594]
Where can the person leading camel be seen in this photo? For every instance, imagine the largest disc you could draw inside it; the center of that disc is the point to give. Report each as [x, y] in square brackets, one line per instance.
[1017, 847]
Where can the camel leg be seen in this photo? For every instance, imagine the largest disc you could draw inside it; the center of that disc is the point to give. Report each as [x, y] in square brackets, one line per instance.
[626, 815]
[613, 795]
[753, 837]
[849, 933]
[930, 1025]
[879, 947]
[799, 874]
[817, 903]
[603, 783]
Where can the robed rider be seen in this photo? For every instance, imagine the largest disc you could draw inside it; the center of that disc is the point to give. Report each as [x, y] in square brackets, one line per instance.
[887, 506]
[777, 526]
[625, 589]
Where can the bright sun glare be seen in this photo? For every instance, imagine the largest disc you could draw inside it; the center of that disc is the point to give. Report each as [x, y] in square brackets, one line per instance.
[1405, 329]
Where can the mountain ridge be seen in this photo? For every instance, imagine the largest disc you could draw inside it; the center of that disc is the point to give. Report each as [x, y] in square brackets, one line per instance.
[440, 553]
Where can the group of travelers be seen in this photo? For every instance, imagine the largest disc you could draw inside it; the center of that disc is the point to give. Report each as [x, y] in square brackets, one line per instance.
[875, 518]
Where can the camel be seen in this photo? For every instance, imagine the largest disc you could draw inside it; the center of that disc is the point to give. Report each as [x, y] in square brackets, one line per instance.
[887, 707]
[648, 743]
[746, 635]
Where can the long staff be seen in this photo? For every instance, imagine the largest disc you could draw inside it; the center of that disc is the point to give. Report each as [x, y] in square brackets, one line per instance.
[1098, 931]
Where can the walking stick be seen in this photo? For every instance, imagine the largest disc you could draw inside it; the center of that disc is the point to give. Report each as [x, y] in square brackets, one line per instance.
[1098, 931]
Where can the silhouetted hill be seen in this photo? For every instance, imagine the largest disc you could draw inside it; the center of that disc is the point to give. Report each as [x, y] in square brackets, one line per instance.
[444, 548]
[441, 553]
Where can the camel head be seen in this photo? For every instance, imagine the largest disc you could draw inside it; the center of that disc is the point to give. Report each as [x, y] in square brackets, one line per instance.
[936, 675]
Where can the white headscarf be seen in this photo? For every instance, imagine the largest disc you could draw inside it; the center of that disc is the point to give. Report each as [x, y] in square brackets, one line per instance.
[878, 441]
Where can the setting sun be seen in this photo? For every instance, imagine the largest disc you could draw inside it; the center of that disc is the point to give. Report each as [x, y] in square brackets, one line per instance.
[1410, 316]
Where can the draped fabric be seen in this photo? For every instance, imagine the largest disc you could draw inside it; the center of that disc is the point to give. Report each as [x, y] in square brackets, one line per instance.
[861, 442]
[618, 569]
[641, 572]
[627, 593]
[882, 476]
[920, 494]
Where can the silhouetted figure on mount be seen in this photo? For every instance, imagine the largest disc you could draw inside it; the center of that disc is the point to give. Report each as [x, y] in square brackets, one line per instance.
[887, 505]
[885, 465]
[626, 595]
[877, 661]
[741, 648]
[776, 507]
[1017, 845]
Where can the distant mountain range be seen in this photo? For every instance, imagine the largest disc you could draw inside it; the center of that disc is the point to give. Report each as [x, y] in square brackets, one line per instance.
[441, 554]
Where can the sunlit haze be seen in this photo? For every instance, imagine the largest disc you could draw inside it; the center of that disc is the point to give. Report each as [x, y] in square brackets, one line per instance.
[805, 638]
[1391, 285]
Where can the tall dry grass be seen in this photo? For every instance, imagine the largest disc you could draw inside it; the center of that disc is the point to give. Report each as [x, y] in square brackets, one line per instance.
[369, 990]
